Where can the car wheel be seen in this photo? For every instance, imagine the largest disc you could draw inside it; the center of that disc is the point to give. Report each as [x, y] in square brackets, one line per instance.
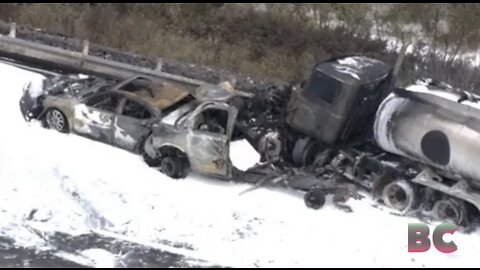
[56, 120]
[174, 166]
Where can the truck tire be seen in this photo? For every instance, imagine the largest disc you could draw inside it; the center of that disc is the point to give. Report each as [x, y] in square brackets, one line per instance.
[304, 151]
[451, 209]
[399, 195]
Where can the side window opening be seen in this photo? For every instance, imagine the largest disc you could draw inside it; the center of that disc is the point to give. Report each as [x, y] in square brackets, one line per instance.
[135, 110]
[369, 93]
[322, 87]
[106, 102]
[212, 120]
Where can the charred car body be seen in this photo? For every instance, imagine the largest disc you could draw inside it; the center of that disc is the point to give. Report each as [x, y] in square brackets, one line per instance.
[169, 126]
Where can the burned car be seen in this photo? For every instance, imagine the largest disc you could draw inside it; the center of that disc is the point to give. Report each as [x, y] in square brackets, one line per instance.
[193, 136]
[167, 125]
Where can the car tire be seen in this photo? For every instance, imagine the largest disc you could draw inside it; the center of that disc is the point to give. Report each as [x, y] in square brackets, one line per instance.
[174, 166]
[56, 120]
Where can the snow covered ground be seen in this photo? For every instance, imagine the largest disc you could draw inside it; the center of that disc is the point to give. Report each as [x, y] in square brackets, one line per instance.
[51, 182]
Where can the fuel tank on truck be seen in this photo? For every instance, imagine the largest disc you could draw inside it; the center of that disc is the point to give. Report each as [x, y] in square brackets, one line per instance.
[434, 125]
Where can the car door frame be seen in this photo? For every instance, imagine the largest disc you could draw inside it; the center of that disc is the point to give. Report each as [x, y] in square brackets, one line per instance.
[114, 114]
[143, 123]
[209, 152]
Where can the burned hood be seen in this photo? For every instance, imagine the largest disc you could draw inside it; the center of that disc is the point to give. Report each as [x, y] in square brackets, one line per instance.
[354, 70]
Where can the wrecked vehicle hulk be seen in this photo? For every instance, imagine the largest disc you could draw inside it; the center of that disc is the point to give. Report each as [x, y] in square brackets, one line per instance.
[414, 148]
[169, 126]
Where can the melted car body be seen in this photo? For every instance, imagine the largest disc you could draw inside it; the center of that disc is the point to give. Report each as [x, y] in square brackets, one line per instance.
[159, 121]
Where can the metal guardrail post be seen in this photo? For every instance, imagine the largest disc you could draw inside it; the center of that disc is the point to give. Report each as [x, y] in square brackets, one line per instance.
[13, 30]
[86, 47]
[159, 65]
[27, 51]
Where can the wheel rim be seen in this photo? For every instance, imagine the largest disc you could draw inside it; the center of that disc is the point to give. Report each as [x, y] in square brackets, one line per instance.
[399, 195]
[449, 210]
[56, 120]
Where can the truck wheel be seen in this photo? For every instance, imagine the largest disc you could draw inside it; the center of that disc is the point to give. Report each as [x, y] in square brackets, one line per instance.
[452, 210]
[304, 151]
[399, 195]
[315, 198]
[174, 166]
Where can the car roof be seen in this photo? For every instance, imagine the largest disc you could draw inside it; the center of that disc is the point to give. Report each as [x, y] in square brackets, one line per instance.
[158, 95]
[354, 70]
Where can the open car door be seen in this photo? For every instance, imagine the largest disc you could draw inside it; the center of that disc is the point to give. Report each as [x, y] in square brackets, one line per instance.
[210, 130]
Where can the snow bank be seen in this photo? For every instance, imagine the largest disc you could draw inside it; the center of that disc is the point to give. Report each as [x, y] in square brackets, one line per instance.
[77, 184]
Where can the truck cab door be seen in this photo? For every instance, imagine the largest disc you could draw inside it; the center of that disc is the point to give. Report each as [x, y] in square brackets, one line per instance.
[210, 129]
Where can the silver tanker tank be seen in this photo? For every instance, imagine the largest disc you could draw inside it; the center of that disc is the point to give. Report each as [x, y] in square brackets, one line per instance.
[434, 125]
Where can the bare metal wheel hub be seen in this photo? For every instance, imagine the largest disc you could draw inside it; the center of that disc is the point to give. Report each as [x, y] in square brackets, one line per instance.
[452, 210]
[399, 195]
[56, 120]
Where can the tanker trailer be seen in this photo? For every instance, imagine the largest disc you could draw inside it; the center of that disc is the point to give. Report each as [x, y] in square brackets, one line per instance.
[438, 127]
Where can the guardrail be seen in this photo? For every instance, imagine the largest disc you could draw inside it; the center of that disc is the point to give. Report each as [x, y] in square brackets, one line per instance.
[81, 62]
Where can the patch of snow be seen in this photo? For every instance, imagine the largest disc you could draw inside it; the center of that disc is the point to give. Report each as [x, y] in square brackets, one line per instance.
[358, 62]
[243, 155]
[35, 87]
[94, 257]
[101, 257]
[421, 88]
[347, 70]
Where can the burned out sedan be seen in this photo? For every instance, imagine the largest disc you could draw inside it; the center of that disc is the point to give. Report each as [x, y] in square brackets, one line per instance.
[168, 126]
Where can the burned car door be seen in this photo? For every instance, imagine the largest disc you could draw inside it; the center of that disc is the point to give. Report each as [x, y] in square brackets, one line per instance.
[95, 115]
[132, 124]
[210, 129]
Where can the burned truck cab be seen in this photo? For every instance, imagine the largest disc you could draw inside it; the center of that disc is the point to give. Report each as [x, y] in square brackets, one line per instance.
[339, 99]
